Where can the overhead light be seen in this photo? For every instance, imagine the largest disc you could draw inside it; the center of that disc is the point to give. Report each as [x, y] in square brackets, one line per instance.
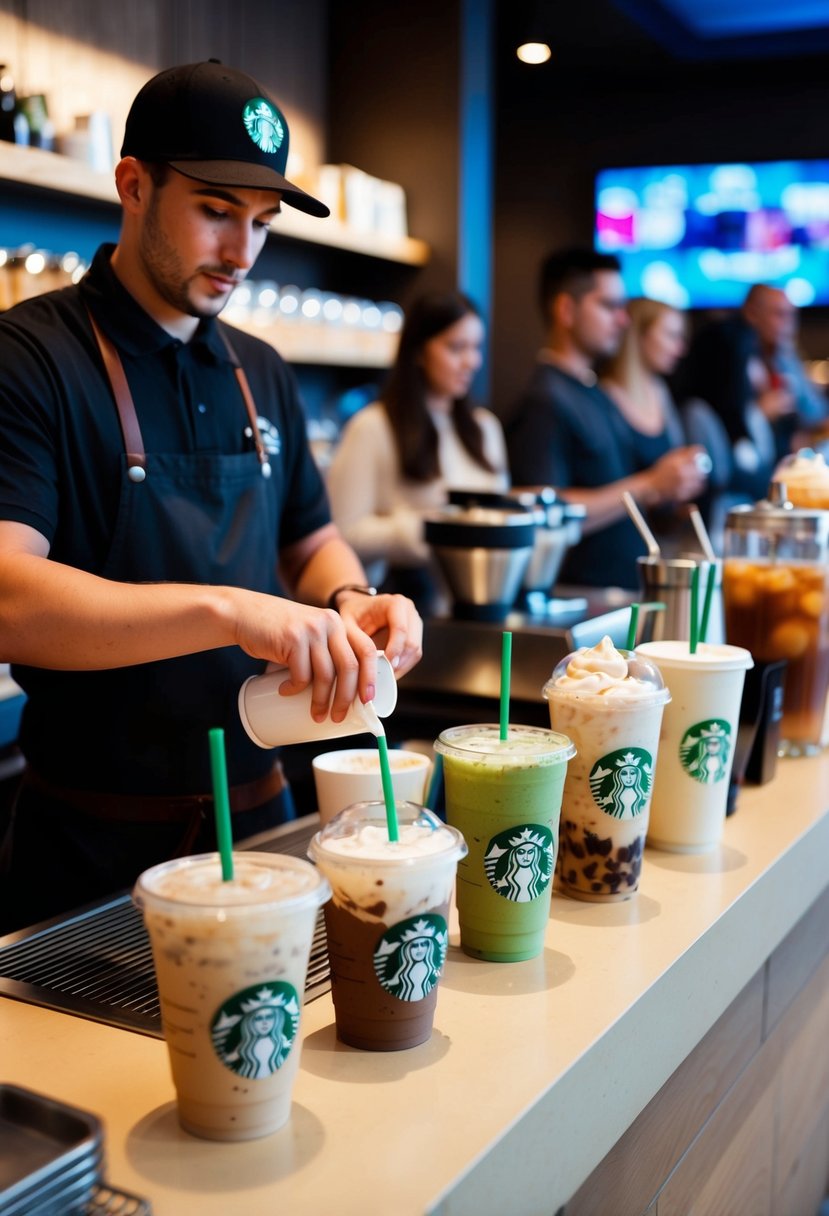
[533, 52]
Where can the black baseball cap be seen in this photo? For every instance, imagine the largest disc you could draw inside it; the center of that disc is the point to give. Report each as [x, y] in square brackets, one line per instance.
[217, 125]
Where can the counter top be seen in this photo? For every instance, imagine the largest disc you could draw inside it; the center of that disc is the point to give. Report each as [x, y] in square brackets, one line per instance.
[532, 1073]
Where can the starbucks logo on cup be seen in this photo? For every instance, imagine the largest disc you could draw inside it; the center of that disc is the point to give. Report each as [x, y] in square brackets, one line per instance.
[620, 782]
[705, 750]
[409, 957]
[254, 1031]
[519, 863]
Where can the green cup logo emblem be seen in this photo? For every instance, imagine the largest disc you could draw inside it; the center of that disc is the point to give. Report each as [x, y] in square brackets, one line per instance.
[519, 863]
[620, 782]
[263, 124]
[409, 957]
[705, 750]
[254, 1031]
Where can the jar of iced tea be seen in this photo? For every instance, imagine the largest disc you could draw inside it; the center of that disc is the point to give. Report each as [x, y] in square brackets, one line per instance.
[776, 602]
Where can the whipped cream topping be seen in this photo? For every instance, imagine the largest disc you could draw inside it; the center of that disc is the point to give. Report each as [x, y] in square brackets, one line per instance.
[806, 468]
[601, 671]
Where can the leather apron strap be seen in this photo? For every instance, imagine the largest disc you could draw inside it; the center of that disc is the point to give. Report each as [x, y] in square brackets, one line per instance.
[130, 428]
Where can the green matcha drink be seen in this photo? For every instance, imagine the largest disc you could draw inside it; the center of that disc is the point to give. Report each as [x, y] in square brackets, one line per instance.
[504, 796]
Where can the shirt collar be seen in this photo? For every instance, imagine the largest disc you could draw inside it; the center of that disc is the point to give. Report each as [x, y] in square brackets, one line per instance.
[132, 329]
[589, 378]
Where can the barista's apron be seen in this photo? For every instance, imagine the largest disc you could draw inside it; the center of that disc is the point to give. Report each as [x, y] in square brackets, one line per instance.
[126, 778]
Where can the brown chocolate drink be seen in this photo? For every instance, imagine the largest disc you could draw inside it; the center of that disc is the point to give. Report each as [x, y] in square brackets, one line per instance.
[387, 920]
[368, 1015]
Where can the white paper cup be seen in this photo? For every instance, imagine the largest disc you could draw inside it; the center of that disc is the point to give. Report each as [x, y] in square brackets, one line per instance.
[273, 720]
[696, 747]
[353, 775]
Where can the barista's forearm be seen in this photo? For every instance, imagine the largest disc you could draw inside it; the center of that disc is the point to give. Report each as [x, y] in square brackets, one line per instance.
[58, 617]
[331, 564]
[604, 504]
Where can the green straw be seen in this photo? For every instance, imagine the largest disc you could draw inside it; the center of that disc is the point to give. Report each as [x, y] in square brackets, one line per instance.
[706, 604]
[694, 630]
[388, 788]
[221, 801]
[506, 666]
[634, 621]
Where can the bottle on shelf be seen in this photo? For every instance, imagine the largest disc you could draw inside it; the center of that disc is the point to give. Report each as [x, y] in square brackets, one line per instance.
[8, 105]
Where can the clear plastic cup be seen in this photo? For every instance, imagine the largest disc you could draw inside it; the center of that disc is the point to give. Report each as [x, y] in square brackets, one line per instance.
[387, 920]
[505, 797]
[607, 794]
[231, 959]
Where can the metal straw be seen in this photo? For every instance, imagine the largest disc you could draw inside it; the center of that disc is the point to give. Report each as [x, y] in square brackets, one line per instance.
[642, 528]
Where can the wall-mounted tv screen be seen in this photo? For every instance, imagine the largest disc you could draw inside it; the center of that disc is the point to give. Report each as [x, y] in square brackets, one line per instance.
[698, 236]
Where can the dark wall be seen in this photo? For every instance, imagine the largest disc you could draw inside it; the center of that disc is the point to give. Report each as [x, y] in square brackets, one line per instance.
[393, 111]
[610, 96]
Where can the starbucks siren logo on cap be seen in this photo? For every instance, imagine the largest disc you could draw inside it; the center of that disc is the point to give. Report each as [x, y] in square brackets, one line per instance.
[263, 125]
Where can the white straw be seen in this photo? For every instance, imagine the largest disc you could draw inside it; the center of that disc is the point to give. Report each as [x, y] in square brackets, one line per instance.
[643, 529]
[702, 534]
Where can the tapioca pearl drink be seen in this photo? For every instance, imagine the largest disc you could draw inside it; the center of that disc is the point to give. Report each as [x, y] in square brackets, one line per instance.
[231, 960]
[504, 795]
[696, 749]
[781, 611]
[387, 921]
[610, 704]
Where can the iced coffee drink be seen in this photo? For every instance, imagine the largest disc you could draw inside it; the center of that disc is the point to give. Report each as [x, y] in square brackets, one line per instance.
[805, 474]
[610, 704]
[387, 921]
[231, 959]
[780, 610]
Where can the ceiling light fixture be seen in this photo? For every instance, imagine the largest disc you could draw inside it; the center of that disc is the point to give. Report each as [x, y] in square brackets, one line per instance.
[533, 52]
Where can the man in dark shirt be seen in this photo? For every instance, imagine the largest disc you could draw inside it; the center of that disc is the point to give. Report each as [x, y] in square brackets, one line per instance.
[567, 433]
[158, 506]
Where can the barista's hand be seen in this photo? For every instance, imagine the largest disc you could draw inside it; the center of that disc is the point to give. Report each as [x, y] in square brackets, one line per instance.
[678, 476]
[391, 621]
[316, 645]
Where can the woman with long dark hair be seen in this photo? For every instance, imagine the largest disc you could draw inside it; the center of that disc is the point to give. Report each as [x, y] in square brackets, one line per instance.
[399, 457]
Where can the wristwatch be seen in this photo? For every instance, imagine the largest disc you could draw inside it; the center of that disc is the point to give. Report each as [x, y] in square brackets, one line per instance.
[361, 588]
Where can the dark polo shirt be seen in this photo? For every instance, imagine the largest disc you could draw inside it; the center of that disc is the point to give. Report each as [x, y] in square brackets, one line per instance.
[564, 433]
[60, 439]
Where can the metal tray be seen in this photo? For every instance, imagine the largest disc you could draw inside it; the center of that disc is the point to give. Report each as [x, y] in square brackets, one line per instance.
[97, 962]
[45, 1146]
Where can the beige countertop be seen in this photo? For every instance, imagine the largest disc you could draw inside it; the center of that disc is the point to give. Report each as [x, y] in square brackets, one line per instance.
[533, 1070]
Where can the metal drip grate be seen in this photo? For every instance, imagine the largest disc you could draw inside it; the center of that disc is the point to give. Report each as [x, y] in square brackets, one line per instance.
[97, 962]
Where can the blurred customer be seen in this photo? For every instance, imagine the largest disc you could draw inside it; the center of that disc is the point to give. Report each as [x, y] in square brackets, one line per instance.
[635, 379]
[746, 370]
[567, 432]
[399, 456]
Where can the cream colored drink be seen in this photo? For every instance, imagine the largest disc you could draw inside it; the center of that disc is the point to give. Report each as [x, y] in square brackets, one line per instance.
[230, 960]
[610, 704]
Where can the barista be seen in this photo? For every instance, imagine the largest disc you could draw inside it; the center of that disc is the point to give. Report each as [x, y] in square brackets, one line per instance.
[158, 507]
